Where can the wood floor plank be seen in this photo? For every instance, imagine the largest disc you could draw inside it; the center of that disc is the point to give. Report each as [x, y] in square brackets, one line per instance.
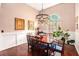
[22, 50]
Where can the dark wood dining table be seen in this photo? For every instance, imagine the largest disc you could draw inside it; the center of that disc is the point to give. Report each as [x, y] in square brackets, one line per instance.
[49, 44]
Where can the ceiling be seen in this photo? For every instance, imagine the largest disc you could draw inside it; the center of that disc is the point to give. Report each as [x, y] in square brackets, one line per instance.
[38, 6]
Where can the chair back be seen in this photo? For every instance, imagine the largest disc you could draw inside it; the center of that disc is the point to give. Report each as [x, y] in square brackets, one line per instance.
[29, 40]
[40, 48]
[62, 52]
[57, 46]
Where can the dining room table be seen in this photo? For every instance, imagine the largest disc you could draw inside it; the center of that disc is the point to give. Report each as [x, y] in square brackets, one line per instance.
[54, 45]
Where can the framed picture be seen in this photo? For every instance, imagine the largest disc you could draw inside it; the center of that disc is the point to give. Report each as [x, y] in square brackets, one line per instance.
[19, 24]
[30, 25]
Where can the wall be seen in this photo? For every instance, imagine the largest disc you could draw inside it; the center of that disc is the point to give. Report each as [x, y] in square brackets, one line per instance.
[66, 11]
[0, 15]
[11, 39]
[11, 10]
[8, 12]
[77, 30]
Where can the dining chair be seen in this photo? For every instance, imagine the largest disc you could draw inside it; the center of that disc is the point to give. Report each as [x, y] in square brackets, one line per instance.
[40, 48]
[57, 47]
[51, 49]
[29, 41]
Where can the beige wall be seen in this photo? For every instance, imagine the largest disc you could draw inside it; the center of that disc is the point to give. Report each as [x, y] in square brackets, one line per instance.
[77, 9]
[10, 11]
[67, 14]
[77, 30]
[0, 15]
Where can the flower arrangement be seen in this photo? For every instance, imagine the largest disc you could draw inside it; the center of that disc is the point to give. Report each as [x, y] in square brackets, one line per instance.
[57, 33]
[61, 33]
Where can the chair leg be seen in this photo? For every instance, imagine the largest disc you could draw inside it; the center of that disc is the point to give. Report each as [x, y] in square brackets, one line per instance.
[28, 48]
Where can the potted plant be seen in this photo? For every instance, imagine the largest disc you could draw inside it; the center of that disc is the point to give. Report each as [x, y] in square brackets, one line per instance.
[58, 33]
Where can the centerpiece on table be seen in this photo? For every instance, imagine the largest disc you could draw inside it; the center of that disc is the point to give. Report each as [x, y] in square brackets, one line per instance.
[59, 34]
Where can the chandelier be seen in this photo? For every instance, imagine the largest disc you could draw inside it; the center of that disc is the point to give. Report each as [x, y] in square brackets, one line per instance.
[42, 16]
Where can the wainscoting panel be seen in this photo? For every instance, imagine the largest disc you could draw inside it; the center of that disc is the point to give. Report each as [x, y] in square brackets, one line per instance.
[12, 39]
[77, 41]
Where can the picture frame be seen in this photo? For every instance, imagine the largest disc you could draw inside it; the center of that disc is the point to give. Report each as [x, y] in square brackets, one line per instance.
[19, 24]
[30, 25]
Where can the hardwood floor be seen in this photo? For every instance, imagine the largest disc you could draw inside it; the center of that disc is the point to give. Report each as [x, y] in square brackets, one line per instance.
[22, 50]
[70, 50]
